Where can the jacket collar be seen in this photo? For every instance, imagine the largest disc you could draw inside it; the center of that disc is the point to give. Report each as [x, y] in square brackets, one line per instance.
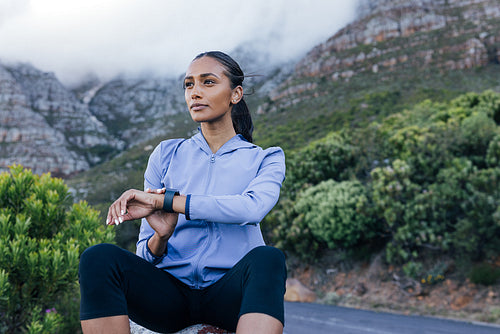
[232, 144]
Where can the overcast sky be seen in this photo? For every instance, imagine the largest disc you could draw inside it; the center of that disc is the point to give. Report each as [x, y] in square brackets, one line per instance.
[107, 37]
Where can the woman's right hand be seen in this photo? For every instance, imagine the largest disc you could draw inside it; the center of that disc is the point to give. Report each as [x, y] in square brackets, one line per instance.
[163, 223]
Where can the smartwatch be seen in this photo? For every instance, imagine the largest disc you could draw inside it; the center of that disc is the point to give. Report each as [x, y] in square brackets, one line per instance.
[169, 199]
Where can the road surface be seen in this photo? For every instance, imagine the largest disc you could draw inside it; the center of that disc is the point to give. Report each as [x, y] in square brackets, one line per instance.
[304, 318]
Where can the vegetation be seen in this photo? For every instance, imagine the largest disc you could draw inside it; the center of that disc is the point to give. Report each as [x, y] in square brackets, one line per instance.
[41, 238]
[425, 181]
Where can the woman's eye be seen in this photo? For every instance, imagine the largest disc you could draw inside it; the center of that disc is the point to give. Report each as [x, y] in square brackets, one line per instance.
[209, 82]
[188, 84]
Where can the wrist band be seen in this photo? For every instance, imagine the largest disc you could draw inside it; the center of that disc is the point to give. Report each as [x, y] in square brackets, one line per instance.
[169, 199]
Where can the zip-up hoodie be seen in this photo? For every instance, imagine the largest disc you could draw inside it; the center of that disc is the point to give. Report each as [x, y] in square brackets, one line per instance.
[228, 193]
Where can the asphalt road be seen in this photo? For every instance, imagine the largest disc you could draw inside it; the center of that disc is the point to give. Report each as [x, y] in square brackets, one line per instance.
[303, 318]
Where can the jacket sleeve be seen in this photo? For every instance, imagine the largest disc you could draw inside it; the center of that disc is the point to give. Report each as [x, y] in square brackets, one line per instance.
[157, 166]
[249, 207]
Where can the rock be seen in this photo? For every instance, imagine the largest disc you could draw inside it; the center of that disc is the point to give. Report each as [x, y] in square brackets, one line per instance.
[136, 110]
[196, 329]
[297, 292]
[442, 35]
[43, 125]
[360, 289]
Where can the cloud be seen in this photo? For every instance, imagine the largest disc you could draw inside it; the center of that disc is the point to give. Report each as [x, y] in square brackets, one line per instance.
[109, 37]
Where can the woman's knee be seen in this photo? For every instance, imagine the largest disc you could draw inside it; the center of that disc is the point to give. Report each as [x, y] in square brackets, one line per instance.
[270, 259]
[94, 257]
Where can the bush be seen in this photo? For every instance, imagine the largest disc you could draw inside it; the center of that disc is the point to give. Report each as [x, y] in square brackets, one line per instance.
[432, 180]
[41, 238]
[484, 273]
[336, 213]
[477, 131]
[393, 195]
[477, 231]
[493, 153]
[328, 215]
[290, 232]
[329, 158]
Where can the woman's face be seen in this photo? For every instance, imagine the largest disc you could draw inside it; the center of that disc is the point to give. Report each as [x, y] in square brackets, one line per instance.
[208, 91]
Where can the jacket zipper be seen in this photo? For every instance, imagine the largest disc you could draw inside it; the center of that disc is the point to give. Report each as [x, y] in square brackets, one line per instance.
[209, 230]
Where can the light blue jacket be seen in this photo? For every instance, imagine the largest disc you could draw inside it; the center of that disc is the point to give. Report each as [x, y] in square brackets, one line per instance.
[228, 193]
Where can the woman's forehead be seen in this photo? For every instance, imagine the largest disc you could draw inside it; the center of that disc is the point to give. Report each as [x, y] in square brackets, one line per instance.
[205, 65]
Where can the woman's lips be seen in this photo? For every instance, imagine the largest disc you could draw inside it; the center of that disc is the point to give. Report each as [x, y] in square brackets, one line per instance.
[197, 106]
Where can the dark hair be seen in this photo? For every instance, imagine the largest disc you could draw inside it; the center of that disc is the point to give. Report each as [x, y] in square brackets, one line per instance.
[240, 115]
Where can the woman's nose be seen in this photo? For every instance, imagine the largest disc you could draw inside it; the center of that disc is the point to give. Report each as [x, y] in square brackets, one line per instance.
[195, 92]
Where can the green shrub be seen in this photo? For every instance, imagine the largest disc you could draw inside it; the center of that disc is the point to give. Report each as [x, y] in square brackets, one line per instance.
[329, 158]
[487, 102]
[477, 231]
[413, 269]
[484, 273]
[477, 131]
[41, 238]
[493, 153]
[336, 213]
[393, 196]
[431, 176]
[328, 215]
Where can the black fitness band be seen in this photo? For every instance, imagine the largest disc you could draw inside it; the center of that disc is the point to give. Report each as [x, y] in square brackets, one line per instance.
[169, 199]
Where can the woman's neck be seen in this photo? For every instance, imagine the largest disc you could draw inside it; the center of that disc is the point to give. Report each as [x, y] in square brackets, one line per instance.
[216, 136]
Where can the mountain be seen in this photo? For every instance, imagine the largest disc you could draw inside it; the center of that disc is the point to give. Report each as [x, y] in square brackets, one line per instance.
[44, 126]
[393, 54]
[406, 49]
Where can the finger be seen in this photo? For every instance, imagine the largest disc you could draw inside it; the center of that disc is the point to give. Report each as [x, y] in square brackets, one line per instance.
[121, 205]
[114, 214]
[108, 217]
[160, 191]
[122, 209]
[111, 215]
[115, 210]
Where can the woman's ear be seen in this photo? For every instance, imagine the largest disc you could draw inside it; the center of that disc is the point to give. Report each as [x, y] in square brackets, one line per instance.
[237, 95]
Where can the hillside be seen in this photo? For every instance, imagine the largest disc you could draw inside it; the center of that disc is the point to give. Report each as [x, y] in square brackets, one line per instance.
[395, 54]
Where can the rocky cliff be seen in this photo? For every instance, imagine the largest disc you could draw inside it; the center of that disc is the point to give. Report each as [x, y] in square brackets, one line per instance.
[136, 110]
[396, 36]
[48, 127]
[44, 126]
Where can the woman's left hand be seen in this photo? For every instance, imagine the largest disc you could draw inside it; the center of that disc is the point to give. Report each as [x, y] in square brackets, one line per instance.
[134, 204]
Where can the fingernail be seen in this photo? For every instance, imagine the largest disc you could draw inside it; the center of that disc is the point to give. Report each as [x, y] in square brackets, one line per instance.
[158, 191]
[148, 190]
[107, 221]
[122, 212]
[117, 222]
[120, 219]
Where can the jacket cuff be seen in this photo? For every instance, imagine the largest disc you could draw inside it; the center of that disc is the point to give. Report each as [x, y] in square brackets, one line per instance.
[186, 208]
[152, 257]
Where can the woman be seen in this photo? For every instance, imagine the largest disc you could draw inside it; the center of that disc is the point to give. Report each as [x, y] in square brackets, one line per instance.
[201, 255]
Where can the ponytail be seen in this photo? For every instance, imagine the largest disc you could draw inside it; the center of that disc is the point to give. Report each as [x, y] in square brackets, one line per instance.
[242, 120]
[240, 115]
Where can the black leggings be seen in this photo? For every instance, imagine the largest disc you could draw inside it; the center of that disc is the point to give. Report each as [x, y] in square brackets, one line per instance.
[114, 282]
